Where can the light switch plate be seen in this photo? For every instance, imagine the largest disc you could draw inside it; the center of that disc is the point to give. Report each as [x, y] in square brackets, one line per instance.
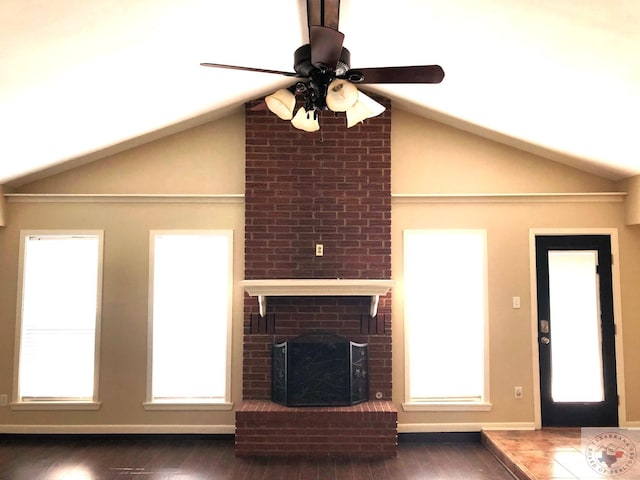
[516, 302]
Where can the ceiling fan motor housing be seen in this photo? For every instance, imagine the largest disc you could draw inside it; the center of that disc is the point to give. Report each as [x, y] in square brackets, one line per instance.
[304, 68]
[319, 78]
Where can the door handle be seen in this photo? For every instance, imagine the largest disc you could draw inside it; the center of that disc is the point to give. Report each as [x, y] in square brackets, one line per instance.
[545, 340]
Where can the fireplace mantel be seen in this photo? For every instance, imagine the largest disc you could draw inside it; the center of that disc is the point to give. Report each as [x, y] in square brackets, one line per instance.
[316, 287]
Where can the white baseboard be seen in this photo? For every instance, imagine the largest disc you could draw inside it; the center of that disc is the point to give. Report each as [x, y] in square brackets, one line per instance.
[462, 427]
[118, 429]
[230, 429]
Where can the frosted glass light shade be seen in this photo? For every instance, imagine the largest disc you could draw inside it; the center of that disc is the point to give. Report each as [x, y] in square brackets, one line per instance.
[306, 121]
[365, 107]
[341, 95]
[281, 103]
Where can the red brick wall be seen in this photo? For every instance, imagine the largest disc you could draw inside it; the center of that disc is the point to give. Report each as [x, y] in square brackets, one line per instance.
[331, 187]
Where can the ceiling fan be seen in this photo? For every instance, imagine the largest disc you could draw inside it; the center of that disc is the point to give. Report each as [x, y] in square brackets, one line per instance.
[325, 78]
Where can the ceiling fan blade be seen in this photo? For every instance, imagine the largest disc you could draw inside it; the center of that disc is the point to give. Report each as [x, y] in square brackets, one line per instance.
[413, 74]
[249, 69]
[325, 13]
[326, 46]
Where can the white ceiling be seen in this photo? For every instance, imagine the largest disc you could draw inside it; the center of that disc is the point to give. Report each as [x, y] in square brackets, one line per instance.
[79, 78]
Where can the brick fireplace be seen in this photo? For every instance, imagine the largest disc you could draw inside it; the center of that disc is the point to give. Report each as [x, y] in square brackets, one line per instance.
[331, 187]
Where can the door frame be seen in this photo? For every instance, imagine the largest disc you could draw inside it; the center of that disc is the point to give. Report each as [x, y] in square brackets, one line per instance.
[617, 314]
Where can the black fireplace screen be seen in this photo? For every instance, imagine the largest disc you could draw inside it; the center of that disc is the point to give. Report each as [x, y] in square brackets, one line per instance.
[319, 369]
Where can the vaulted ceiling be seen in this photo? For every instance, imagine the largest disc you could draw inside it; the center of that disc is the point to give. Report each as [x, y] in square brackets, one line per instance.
[80, 79]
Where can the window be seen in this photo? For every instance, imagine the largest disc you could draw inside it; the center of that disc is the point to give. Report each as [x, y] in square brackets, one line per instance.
[445, 296]
[190, 312]
[58, 324]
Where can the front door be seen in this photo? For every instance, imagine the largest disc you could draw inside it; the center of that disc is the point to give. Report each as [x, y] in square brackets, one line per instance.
[576, 331]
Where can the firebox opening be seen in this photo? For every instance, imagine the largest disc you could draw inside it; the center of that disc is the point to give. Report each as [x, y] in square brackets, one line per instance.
[319, 369]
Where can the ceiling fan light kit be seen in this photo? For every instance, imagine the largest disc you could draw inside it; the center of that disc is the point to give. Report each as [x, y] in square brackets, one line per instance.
[364, 108]
[341, 95]
[325, 78]
[282, 103]
[306, 120]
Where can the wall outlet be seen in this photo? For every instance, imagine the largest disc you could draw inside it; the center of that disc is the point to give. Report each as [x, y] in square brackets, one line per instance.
[518, 392]
[319, 250]
[4, 400]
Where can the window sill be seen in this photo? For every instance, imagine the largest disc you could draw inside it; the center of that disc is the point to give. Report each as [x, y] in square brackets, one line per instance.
[52, 405]
[186, 406]
[447, 407]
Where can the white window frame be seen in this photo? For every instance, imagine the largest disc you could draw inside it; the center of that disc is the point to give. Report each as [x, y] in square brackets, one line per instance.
[18, 403]
[447, 404]
[185, 403]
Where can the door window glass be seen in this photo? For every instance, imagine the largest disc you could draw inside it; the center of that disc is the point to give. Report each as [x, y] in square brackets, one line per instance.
[576, 358]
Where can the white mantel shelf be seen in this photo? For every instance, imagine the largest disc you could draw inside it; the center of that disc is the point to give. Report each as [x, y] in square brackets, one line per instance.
[317, 287]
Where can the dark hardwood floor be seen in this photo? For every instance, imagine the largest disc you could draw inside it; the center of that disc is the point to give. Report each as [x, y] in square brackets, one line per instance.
[200, 457]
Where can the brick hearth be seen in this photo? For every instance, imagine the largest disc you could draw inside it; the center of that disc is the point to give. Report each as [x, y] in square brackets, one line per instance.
[331, 187]
[367, 430]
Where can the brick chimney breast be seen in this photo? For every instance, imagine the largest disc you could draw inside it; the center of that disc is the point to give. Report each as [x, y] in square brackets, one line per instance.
[331, 187]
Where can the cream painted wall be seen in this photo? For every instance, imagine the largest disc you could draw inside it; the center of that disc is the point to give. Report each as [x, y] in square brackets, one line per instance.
[632, 187]
[205, 160]
[2, 206]
[427, 158]
[435, 158]
[125, 298]
[430, 158]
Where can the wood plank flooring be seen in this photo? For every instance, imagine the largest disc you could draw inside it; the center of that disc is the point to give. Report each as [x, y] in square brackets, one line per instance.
[200, 457]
